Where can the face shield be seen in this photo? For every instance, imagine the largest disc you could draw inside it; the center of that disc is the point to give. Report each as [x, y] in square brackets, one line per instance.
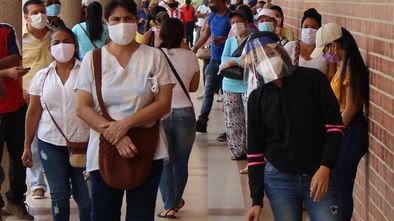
[266, 60]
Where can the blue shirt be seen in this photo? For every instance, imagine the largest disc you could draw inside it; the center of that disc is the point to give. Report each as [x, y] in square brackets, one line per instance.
[232, 85]
[85, 45]
[143, 15]
[220, 26]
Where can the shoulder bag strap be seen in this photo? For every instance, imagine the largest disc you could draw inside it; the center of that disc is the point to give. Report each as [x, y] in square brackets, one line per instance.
[177, 76]
[87, 35]
[97, 79]
[49, 112]
[297, 53]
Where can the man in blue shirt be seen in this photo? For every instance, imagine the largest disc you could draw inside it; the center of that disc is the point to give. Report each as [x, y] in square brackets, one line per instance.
[217, 26]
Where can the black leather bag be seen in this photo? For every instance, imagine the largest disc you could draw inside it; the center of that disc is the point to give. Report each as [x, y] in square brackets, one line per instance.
[235, 72]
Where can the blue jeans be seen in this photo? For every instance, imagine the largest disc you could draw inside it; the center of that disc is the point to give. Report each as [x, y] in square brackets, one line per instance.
[36, 173]
[59, 173]
[211, 84]
[180, 129]
[286, 193]
[354, 147]
[141, 201]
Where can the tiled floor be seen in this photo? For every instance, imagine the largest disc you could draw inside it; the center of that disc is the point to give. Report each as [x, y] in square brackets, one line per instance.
[215, 190]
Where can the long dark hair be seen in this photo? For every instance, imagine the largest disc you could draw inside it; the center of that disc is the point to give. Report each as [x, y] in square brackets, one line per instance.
[172, 33]
[188, 4]
[359, 79]
[94, 23]
[279, 9]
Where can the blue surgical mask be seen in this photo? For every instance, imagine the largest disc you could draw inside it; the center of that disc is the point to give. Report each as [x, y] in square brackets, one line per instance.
[266, 26]
[53, 10]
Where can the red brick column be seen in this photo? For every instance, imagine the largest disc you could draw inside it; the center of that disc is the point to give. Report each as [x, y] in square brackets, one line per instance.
[372, 25]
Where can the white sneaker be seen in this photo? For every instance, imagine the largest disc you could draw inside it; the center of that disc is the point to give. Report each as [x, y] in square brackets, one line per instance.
[220, 99]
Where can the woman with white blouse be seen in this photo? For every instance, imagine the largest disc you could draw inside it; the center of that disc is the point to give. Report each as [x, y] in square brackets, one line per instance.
[52, 95]
[136, 88]
[300, 51]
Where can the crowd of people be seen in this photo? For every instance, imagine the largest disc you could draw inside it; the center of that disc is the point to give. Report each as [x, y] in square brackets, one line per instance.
[103, 108]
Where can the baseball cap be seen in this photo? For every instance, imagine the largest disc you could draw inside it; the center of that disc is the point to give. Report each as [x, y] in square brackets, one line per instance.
[325, 35]
[266, 12]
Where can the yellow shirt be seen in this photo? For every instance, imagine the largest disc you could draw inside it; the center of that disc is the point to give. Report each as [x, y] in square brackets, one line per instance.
[138, 38]
[288, 34]
[336, 87]
[36, 55]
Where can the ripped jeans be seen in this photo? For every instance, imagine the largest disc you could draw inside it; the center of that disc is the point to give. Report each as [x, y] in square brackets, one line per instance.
[286, 193]
[64, 180]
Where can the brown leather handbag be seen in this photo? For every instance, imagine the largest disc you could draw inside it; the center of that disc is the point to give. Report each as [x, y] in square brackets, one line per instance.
[116, 171]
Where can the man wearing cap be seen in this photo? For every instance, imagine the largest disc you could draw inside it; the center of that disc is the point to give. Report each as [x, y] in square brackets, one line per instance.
[294, 135]
[217, 26]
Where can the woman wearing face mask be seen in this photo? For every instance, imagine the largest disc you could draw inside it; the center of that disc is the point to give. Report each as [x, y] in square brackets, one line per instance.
[300, 51]
[92, 33]
[52, 95]
[235, 89]
[53, 11]
[294, 135]
[285, 34]
[350, 85]
[179, 126]
[136, 89]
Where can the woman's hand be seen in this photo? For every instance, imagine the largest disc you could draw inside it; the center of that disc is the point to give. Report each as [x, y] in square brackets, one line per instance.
[319, 184]
[27, 159]
[253, 214]
[126, 148]
[115, 130]
[227, 65]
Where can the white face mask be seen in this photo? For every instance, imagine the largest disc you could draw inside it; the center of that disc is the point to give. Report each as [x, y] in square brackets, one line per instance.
[63, 52]
[270, 69]
[238, 28]
[308, 35]
[38, 21]
[233, 2]
[123, 33]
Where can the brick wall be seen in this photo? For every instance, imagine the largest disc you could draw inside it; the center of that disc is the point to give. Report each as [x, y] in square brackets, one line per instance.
[372, 25]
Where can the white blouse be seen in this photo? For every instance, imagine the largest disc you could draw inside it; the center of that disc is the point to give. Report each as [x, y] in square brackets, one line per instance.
[318, 63]
[125, 91]
[62, 103]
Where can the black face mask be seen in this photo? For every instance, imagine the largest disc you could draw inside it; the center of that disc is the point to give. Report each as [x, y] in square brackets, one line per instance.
[173, 5]
[214, 8]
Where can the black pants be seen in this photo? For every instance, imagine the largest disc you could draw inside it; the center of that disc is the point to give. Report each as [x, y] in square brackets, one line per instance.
[12, 132]
[189, 28]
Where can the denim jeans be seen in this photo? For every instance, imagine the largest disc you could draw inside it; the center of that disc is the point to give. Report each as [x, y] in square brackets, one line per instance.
[36, 173]
[211, 84]
[12, 132]
[181, 131]
[286, 193]
[354, 147]
[59, 173]
[141, 201]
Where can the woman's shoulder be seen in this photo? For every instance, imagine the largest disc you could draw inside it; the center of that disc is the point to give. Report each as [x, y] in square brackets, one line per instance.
[290, 46]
